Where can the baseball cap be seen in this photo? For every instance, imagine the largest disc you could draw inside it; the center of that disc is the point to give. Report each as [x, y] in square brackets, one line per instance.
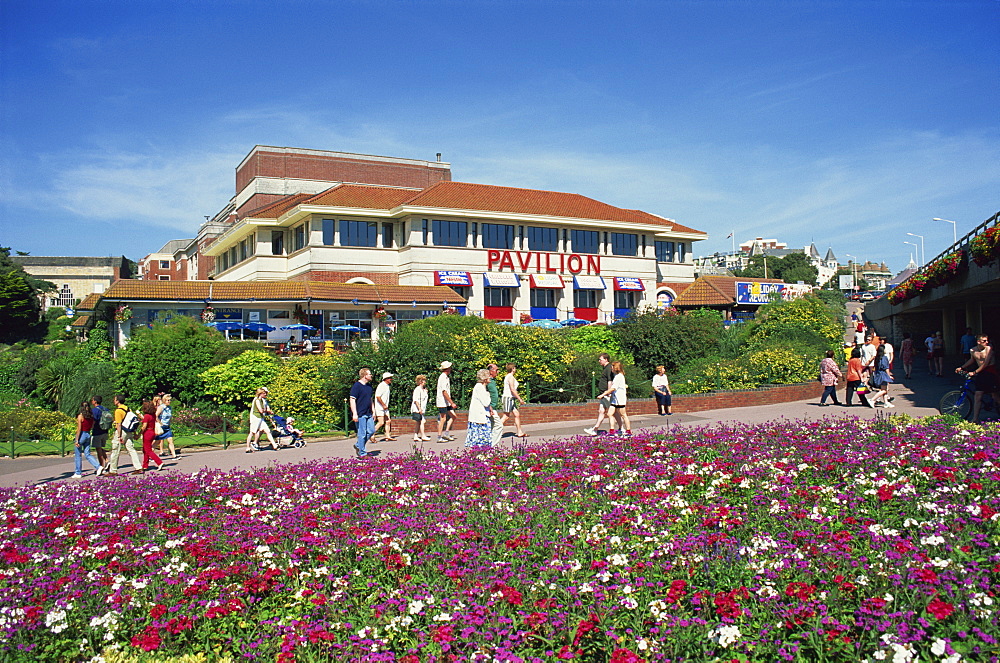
[387, 374]
[445, 364]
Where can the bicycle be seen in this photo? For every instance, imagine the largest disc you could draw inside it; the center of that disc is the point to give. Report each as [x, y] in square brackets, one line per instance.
[959, 401]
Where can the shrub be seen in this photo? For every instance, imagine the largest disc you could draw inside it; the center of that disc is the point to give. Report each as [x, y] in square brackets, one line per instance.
[232, 349]
[235, 382]
[713, 374]
[169, 357]
[298, 390]
[595, 339]
[781, 365]
[806, 314]
[671, 339]
[90, 379]
[36, 423]
[206, 418]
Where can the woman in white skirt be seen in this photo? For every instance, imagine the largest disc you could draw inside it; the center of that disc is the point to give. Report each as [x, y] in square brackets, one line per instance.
[617, 392]
[510, 399]
[480, 414]
[418, 409]
[259, 408]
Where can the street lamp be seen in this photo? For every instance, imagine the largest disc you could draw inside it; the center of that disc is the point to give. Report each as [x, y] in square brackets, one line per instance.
[954, 229]
[854, 268]
[915, 248]
[922, 254]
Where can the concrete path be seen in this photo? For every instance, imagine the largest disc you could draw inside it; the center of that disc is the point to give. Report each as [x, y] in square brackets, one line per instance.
[917, 397]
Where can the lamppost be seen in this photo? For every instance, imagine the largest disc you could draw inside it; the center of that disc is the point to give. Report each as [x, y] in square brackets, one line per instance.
[854, 268]
[915, 248]
[954, 229]
[923, 255]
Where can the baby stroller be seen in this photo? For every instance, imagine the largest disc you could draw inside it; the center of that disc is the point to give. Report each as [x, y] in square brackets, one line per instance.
[283, 428]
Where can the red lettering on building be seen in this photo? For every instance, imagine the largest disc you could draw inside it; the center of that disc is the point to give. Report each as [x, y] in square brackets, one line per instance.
[544, 262]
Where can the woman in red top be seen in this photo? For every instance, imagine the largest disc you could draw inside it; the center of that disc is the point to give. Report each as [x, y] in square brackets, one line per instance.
[84, 424]
[148, 433]
[854, 372]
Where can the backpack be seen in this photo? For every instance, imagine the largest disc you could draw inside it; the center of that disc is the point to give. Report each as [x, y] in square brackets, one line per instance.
[107, 420]
[130, 423]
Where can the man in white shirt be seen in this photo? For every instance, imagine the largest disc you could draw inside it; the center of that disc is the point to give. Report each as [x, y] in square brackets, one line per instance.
[445, 405]
[381, 407]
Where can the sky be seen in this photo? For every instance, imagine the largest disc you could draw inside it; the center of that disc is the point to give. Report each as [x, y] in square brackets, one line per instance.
[845, 124]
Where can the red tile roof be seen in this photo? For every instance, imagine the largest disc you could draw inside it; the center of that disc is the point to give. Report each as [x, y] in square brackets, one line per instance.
[713, 291]
[89, 302]
[241, 291]
[80, 321]
[468, 196]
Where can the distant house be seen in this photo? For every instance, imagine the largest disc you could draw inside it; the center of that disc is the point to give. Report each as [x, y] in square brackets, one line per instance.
[737, 298]
[75, 277]
[170, 263]
[722, 264]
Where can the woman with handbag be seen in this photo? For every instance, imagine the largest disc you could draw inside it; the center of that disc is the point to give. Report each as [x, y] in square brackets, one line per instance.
[84, 424]
[148, 431]
[163, 416]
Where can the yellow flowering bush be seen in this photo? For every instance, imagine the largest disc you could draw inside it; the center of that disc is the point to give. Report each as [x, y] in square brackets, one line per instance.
[781, 365]
[297, 390]
[541, 355]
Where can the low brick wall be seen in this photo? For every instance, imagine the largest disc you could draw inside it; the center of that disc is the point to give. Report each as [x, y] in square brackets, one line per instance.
[550, 412]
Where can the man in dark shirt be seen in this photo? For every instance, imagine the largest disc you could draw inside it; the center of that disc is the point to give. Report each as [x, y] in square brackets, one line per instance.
[604, 382]
[361, 410]
[99, 436]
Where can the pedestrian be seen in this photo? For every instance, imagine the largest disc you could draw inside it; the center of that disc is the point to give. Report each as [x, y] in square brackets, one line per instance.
[362, 395]
[855, 379]
[848, 347]
[511, 399]
[906, 352]
[164, 414]
[381, 407]
[418, 409]
[259, 408]
[104, 421]
[868, 354]
[617, 395]
[982, 361]
[445, 404]
[929, 347]
[890, 351]
[829, 374]
[148, 432]
[938, 349]
[661, 391]
[496, 421]
[604, 386]
[480, 414]
[126, 425]
[880, 379]
[82, 441]
[967, 342]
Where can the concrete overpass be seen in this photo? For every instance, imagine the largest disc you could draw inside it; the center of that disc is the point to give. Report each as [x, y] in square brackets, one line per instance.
[972, 299]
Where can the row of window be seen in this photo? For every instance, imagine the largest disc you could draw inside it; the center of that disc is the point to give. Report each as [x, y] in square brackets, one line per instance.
[237, 253]
[548, 298]
[440, 232]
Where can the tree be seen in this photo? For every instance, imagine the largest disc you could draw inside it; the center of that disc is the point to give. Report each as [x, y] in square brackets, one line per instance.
[792, 268]
[169, 357]
[671, 339]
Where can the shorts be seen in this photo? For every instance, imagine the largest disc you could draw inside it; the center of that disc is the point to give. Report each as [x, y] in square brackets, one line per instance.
[605, 402]
[258, 425]
[987, 381]
[381, 414]
[508, 404]
[416, 416]
[445, 411]
[938, 353]
[98, 441]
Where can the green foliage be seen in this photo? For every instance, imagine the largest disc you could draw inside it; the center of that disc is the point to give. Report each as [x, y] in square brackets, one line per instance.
[170, 357]
[713, 373]
[232, 349]
[791, 268]
[805, 314]
[35, 422]
[10, 365]
[54, 376]
[541, 356]
[299, 390]
[671, 339]
[91, 378]
[97, 347]
[781, 365]
[18, 306]
[592, 340]
[56, 322]
[33, 358]
[235, 382]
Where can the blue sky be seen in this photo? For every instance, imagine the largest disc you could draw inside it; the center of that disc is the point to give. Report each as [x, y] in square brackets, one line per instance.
[847, 124]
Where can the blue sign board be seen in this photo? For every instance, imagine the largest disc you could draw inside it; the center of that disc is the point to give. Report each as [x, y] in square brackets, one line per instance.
[754, 292]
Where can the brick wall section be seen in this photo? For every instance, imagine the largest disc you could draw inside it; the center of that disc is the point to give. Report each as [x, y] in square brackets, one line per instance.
[378, 278]
[337, 169]
[536, 414]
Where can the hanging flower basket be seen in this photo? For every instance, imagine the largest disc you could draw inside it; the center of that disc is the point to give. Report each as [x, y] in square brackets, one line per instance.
[938, 273]
[984, 249]
[525, 318]
[123, 313]
[379, 314]
[208, 314]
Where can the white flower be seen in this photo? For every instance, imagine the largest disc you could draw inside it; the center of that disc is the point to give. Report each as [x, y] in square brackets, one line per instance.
[725, 635]
[937, 647]
[415, 607]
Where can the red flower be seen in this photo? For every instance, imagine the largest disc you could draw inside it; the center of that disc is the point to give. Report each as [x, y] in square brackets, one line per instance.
[885, 492]
[148, 640]
[624, 656]
[677, 591]
[939, 608]
[157, 611]
[442, 633]
[926, 575]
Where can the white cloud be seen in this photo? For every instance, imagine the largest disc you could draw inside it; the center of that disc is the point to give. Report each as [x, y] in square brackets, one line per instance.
[171, 190]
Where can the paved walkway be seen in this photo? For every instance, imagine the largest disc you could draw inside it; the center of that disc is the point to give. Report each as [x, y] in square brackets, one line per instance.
[917, 397]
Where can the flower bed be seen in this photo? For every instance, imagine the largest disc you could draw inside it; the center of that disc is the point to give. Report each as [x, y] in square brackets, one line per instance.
[936, 274]
[841, 540]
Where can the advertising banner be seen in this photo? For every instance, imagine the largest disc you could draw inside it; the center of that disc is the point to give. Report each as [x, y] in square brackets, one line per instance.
[754, 292]
[452, 278]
